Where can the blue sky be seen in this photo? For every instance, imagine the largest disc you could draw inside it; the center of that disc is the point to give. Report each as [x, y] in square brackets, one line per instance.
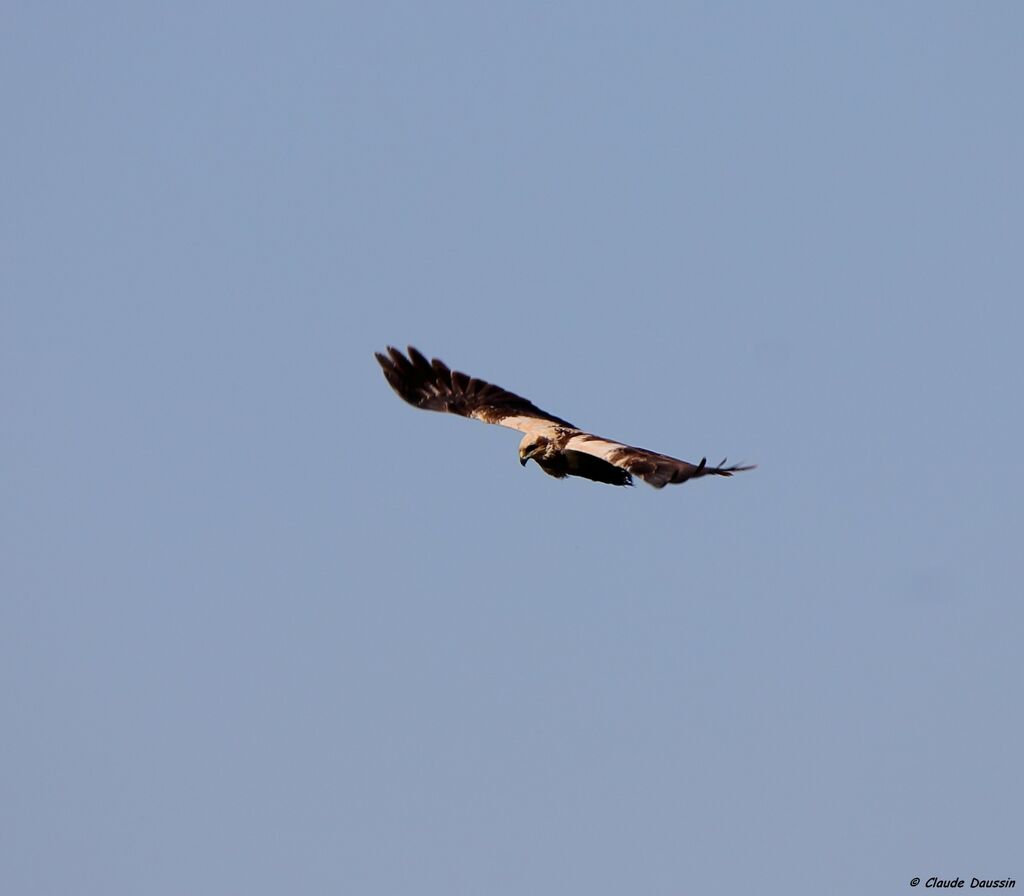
[266, 628]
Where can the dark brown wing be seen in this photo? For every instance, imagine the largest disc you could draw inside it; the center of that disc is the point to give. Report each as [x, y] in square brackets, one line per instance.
[432, 386]
[655, 469]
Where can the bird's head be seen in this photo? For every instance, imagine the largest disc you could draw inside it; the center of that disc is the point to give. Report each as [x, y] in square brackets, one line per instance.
[531, 446]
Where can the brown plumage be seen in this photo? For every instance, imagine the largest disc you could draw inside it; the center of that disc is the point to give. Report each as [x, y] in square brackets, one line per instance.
[559, 448]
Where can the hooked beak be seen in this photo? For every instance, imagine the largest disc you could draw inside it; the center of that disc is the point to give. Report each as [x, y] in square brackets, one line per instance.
[523, 458]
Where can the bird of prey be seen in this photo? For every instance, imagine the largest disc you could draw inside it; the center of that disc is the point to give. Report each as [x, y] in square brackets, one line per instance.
[559, 448]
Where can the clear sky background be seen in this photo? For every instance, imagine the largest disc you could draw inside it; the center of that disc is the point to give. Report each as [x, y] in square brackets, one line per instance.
[265, 629]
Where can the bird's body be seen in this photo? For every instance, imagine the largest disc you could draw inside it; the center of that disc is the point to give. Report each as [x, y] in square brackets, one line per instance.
[556, 459]
[559, 448]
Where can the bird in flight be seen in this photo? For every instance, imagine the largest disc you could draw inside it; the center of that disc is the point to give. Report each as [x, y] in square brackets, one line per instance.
[558, 447]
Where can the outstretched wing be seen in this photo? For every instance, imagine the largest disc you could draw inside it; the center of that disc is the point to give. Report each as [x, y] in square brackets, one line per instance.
[655, 469]
[432, 386]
